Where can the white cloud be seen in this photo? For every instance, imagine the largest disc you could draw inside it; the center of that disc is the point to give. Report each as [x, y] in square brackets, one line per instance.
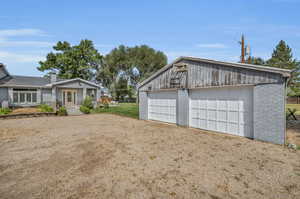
[8, 43]
[215, 45]
[10, 57]
[21, 32]
[17, 54]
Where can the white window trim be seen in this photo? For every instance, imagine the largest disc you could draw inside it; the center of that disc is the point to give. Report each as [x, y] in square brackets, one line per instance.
[25, 98]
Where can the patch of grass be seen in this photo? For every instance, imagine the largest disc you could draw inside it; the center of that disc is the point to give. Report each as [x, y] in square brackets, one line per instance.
[5, 111]
[294, 106]
[124, 109]
[45, 108]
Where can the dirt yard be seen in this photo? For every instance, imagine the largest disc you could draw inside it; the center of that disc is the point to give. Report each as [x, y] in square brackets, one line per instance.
[293, 132]
[109, 156]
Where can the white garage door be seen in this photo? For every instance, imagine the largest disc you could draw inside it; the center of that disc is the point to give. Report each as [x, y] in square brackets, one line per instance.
[226, 110]
[162, 106]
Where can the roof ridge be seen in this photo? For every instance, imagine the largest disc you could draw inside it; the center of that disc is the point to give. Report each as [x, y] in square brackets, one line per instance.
[237, 63]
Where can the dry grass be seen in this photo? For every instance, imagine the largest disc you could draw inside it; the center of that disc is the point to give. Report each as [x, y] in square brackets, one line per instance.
[293, 132]
[109, 156]
[25, 110]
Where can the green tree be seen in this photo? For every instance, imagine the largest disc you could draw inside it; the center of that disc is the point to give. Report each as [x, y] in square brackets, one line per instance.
[256, 61]
[282, 57]
[132, 63]
[146, 61]
[122, 88]
[72, 61]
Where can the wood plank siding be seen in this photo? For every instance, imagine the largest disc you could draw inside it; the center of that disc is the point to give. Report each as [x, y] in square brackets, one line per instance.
[201, 74]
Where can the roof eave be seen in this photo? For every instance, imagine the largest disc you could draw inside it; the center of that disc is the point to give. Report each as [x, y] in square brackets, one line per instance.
[71, 80]
[21, 86]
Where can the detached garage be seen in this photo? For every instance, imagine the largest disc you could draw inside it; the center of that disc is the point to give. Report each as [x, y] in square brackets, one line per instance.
[239, 99]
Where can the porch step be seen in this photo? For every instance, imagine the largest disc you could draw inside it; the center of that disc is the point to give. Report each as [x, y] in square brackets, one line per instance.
[74, 110]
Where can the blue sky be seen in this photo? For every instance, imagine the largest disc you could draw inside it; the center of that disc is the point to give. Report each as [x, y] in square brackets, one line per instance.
[207, 29]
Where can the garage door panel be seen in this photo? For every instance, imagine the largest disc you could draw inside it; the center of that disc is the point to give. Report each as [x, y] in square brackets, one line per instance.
[222, 115]
[222, 126]
[162, 106]
[233, 116]
[226, 110]
[211, 114]
[211, 125]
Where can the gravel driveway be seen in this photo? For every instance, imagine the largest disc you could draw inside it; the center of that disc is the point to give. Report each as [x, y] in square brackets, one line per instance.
[108, 156]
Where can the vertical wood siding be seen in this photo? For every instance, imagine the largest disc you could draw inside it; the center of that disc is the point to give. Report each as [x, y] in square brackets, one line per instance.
[208, 75]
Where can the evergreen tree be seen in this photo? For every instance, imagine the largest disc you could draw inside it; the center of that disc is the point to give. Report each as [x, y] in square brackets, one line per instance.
[256, 61]
[72, 61]
[282, 57]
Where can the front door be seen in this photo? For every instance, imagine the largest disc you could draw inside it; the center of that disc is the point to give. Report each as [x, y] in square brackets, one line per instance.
[69, 97]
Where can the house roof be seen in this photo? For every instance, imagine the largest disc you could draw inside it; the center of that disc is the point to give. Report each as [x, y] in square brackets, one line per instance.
[71, 80]
[2, 66]
[24, 81]
[283, 72]
[35, 82]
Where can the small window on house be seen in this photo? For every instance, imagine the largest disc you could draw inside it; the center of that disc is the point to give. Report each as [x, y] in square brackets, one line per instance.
[22, 97]
[74, 97]
[28, 97]
[15, 98]
[34, 98]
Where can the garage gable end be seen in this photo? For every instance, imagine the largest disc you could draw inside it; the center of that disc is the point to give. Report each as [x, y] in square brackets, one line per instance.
[192, 73]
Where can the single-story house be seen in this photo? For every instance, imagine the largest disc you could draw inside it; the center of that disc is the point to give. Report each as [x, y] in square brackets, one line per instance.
[234, 98]
[24, 91]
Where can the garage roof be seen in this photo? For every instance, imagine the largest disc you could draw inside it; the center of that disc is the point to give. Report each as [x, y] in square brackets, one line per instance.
[283, 72]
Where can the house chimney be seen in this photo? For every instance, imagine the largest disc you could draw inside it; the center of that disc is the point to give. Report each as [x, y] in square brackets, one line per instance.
[53, 78]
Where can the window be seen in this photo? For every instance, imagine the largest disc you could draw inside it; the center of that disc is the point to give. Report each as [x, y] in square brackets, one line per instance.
[28, 97]
[34, 97]
[15, 97]
[91, 93]
[74, 97]
[24, 96]
[69, 96]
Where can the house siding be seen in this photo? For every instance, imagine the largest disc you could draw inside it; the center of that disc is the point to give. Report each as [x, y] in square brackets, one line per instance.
[143, 105]
[46, 97]
[3, 95]
[182, 107]
[269, 113]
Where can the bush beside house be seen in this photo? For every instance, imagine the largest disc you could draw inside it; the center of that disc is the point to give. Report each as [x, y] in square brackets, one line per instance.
[87, 105]
[62, 111]
[45, 108]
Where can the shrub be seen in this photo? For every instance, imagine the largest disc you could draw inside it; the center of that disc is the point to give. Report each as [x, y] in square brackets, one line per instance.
[45, 108]
[88, 102]
[62, 111]
[85, 109]
[4, 111]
